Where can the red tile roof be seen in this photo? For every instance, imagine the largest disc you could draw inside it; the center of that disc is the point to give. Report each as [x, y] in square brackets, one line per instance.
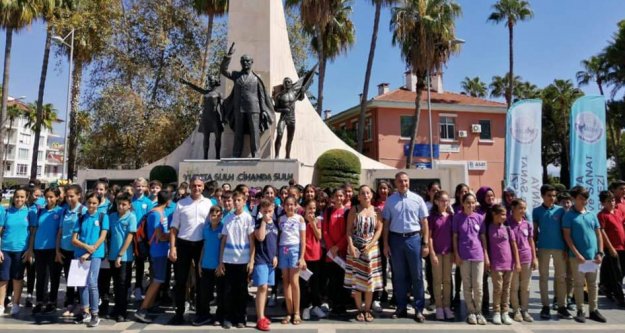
[403, 95]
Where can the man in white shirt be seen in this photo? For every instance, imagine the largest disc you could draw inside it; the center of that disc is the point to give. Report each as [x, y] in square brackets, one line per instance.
[186, 241]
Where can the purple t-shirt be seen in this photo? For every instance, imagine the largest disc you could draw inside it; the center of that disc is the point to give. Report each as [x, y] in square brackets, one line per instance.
[468, 230]
[440, 231]
[523, 232]
[500, 251]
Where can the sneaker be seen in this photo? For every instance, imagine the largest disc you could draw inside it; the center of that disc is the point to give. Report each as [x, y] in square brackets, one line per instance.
[563, 313]
[120, 319]
[517, 316]
[201, 320]
[94, 322]
[527, 317]
[2, 309]
[581, 316]
[68, 312]
[544, 313]
[83, 318]
[440, 314]
[227, 325]
[377, 307]
[142, 316]
[597, 316]
[497, 318]
[325, 307]
[37, 309]
[419, 317]
[262, 324]
[240, 325]
[176, 320]
[505, 318]
[318, 312]
[15, 310]
[449, 314]
[50, 307]
[306, 314]
[138, 294]
[570, 304]
[480, 319]
[472, 319]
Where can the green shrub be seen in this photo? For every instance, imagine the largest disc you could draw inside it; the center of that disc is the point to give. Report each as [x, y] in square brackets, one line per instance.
[164, 173]
[336, 167]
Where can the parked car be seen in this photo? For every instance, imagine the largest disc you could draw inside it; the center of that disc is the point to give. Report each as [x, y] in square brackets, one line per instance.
[8, 194]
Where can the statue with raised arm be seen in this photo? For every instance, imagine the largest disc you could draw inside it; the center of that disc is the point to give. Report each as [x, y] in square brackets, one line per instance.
[285, 105]
[248, 109]
[211, 120]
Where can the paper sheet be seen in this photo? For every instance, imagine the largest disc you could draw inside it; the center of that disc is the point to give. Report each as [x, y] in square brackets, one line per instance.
[78, 272]
[305, 275]
[338, 260]
[588, 267]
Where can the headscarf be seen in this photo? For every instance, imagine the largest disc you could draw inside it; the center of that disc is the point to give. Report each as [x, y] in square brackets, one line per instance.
[481, 199]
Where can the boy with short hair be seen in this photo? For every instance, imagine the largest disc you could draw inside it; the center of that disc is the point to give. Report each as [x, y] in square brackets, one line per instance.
[613, 231]
[582, 234]
[228, 204]
[265, 259]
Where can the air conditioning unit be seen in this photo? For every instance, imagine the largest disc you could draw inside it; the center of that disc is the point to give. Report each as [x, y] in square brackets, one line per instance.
[476, 128]
[462, 134]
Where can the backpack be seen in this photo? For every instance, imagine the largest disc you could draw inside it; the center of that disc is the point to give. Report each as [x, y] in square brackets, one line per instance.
[141, 240]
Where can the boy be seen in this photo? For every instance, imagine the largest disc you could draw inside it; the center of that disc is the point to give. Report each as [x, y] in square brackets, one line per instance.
[265, 259]
[582, 234]
[236, 261]
[611, 220]
[141, 205]
[155, 187]
[550, 244]
[228, 204]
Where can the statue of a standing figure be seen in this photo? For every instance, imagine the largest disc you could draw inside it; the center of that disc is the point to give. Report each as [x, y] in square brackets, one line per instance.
[285, 105]
[211, 120]
[248, 109]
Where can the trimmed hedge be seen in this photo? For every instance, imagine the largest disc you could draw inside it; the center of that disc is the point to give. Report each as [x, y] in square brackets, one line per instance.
[164, 173]
[336, 167]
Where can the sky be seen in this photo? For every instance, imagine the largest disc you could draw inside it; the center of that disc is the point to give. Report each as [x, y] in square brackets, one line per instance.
[549, 46]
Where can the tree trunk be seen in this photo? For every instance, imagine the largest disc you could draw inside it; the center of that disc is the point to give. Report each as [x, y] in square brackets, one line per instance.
[157, 78]
[322, 75]
[415, 124]
[365, 89]
[209, 37]
[5, 94]
[73, 124]
[39, 115]
[511, 78]
[565, 173]
[600, 85]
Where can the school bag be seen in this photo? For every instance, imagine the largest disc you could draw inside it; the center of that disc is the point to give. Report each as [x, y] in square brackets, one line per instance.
[141, 240]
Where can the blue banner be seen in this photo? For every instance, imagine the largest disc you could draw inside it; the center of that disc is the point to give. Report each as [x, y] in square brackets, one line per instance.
[422, 150]
[524, 169]
[588, 147]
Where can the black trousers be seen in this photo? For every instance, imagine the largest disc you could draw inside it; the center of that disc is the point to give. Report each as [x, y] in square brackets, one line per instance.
[47, 270]
[139, 272]
[104, 288]
[235, 287]
[486, 293]
[121, 281]
[211, 283]
[187, 252]
[311, 289]
[612, 268]
[71, 296]
[429, 278]
[31, 273]
[337, 293]
[380, 295]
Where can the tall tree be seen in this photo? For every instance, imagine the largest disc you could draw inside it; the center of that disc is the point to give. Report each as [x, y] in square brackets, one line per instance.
[14, 15]
[425, 33]
[212, 9]
[510, 12]
[474, 87]
[595, 69]
[49, 116]
[615, 53]
[499, 85]
[365, 90]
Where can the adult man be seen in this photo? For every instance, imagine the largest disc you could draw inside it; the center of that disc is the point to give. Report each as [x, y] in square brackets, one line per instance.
[405, 241]
[186, 241]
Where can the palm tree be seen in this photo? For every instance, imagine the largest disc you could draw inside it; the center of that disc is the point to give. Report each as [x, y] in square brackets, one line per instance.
[510, 12]
[212, 9]
[595, 69]
[425, 32]
[49, 116]
[474, 87]
[14, 111]
[614, 54]
[365, 90]
[499, 85]
[526, 90]
[14, 15]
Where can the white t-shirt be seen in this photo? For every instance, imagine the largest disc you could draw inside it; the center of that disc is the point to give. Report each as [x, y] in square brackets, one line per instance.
[189, 218]
[290, 228]
[237, 229]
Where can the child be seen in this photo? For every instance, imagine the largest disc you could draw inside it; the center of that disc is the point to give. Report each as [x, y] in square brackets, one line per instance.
[123, 228]
[101, 188]
[611, 220]
[583, 236]
[334, 235]
[228, 204]
[14, 231]
[141, 205]
[265, 259]
[292, 248]
[501, 256]
[440, 222]
[566, 202]
[155, 187]
[523, 231]
[469, 255]
[88, 238]
[348, 189]
[236, 261]
[311, 289]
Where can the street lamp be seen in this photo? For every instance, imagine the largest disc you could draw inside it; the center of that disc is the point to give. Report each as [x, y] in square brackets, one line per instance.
[62, 40]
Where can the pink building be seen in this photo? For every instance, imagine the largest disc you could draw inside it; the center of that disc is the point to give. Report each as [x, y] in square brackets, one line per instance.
[465, 130]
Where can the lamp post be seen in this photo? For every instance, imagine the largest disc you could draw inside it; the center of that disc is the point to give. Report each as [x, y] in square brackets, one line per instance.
[62, 40]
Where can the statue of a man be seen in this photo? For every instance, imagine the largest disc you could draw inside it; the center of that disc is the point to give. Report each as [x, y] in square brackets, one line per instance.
[248, 109]
[211, 120]
[285, 105]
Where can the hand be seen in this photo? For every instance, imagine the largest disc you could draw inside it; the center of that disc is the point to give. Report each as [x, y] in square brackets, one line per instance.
[221, 270]
[598, 259]
[1, 257]
[231, 50]
[118, 262]
[425, 251]
[353, 251]
[28, 256]
[387, 251]
[613, 253]
[274, 262]
[302, 264]
[518, 268]
[90, 248]
[59, 257]
[486, 264]
[84, 257]
[250, 267]
[458, 260]
[334, 250]
[534, 265]
[434, 260]
[580, 258]
[173, 256]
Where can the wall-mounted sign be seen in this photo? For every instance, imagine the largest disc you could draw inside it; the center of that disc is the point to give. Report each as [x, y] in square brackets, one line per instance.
[477, 165]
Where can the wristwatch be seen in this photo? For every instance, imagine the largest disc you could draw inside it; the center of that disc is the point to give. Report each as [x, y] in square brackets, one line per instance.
[601, 254]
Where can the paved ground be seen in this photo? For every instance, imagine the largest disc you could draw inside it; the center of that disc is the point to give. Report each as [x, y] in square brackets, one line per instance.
[616, 323]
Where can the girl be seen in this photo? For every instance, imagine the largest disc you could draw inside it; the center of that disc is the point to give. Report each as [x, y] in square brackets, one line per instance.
[183, 191]
[349, 194]
[363, 272]
[523, 231]
[432, 188]
[101, 189]
[469, 255]
[486, 199]
[292, 248]
[88, 237]
[45, 229]
[440, 222]
[310, 193]
[311, 291]
[334, 236]
[501, 258]
[461, 190]
[14, 233]
[64, 246]
[284, 192]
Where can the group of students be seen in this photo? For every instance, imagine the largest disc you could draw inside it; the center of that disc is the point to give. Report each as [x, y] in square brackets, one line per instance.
[326, 245]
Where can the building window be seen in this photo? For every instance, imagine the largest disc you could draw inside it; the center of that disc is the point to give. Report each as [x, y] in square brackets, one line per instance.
[405, 123]
[368, 129]
[485, 134]
[25, 138]
[22, 154]
[448, 128]
[55, 169]
[7, 167]
[22, 169]
[39, 170]
[40, 155]
[10, 151]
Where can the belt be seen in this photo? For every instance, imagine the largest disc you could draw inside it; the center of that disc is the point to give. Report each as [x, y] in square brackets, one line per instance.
[406, 234]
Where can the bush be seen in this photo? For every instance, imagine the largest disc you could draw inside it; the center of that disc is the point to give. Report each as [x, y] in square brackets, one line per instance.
[336, 167]
[164, 173]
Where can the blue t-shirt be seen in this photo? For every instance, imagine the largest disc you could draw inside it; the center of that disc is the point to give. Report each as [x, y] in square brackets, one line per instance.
[141, 206]
[47, 222]
[268, 248]
[212, 244]
[583, 234]
[120, 228]
[40, 202]
[70, 217]
[89, 230]
[15, 224]
[104, 206]
[156, 220]
[169, 212]
[549, 227]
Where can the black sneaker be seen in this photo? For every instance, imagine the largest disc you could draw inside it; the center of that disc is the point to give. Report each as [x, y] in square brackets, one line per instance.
[94, 322]
[563, 313]
[597, 316]
[120, 319]
[142, 316]
[544, 313]
[50, 307]
[581, 316]
[201, 320]
[38, 308]
[400, 314]
[176, 320]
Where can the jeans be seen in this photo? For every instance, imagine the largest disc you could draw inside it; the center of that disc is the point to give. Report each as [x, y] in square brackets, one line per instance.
[187, 251]
[407, 270]
[46, 268]
[121, 282]
[89, 295]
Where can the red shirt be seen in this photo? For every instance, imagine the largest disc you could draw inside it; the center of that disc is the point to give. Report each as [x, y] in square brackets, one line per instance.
[313, 245]
[334, 231]
[612, 223]
[620, 205]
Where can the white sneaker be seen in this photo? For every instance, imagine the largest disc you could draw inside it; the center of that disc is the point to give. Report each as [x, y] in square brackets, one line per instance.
[497, 318]
[15, 310]
[377, 307]
[325, 307]
[317, 312]
[86, 318]
[306, 314]
[505, 319]
[480, 319]
[471, 319]
[2, 310]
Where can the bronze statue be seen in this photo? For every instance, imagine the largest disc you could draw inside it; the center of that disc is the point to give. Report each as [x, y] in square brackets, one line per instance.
[248, 109]
[211, 120]
[285, 105]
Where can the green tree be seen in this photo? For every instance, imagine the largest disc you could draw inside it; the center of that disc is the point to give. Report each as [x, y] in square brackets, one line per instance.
[614, 54]
[48, 117]
[526, 90]
[212, 9]
[425, 33]
[474, 87]
[499, 85]
[510, 12]
[595, 69]
[615, 122]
